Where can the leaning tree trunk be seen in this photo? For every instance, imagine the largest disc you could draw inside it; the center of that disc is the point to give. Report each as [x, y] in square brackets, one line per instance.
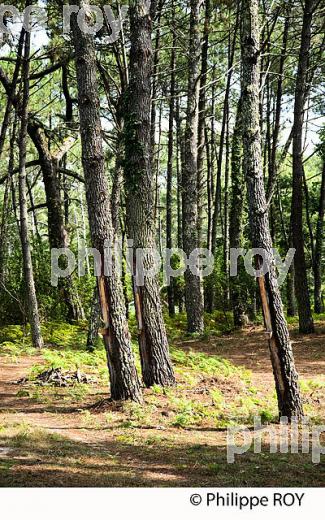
[318, 299]
[286, 379]
[193, 283]
[306, 324]
[24, 227]
[139, 184]
[58, 236]
[123, 375]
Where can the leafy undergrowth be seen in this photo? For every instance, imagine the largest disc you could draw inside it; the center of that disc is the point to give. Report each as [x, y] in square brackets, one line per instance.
[54, 434]
[211, 391]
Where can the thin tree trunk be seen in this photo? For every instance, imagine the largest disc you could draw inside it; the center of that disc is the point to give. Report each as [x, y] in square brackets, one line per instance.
[24, 227]
[202, 116]
[154, 351]
[318, 298]
[193, 284]
[123, 375]
[169, 194]
[286, 379]
[306, 324]
[209, 293]
[236, 218]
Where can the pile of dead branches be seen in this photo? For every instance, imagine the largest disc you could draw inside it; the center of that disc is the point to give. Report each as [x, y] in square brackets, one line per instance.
[59, 377]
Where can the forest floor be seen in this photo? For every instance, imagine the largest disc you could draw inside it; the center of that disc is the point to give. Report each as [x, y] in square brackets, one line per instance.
[51, 436]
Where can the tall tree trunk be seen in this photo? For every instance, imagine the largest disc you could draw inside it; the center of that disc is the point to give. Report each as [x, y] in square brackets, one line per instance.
[306, 324]
[24, 227]
[236, 217]
[123, 375]
[286, 379]
[202, 117]
[169, 194]
[318, 298]
[193, 285]
[154, 351]
[209, 295]
[278, 105]
[226, 220]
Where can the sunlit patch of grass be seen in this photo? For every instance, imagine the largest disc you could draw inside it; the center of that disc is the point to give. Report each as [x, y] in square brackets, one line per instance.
[309, 385]
[210, 365]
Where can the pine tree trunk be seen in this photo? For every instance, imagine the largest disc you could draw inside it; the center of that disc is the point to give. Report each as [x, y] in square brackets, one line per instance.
[123, 375]
[306, 324]
[169, 194]
[193, 284]
[154, 351]
[58, 236]
[24, 227]
[236, 218]
[202, 117]
[318, 298]
[286, 379]
[209, 296]
[94, 322]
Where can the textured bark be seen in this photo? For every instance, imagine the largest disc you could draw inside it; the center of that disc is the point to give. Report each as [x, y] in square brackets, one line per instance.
[31, 298]
[236, 218]
[193, 283]
[169, 193]
[155, 71]
[286, 379]
[226, 238]
[123, 375]
[202, 117]
[306, 324]
[225, 114]
[319, 243]
[278, 106]
[153, 343]
[209, 293]
[94, 322]
[58, 236]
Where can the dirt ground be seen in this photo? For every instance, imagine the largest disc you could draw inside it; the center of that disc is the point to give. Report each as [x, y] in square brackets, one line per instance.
[60, 442]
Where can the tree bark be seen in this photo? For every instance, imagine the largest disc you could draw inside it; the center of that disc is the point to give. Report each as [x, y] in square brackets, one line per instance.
[193, 284]
[32, 303]
[123, 375]
[236, 217]
[153, 343]
[169, 192]
[306, 324]
[202, 117]
[286, 379]
[318, 298]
